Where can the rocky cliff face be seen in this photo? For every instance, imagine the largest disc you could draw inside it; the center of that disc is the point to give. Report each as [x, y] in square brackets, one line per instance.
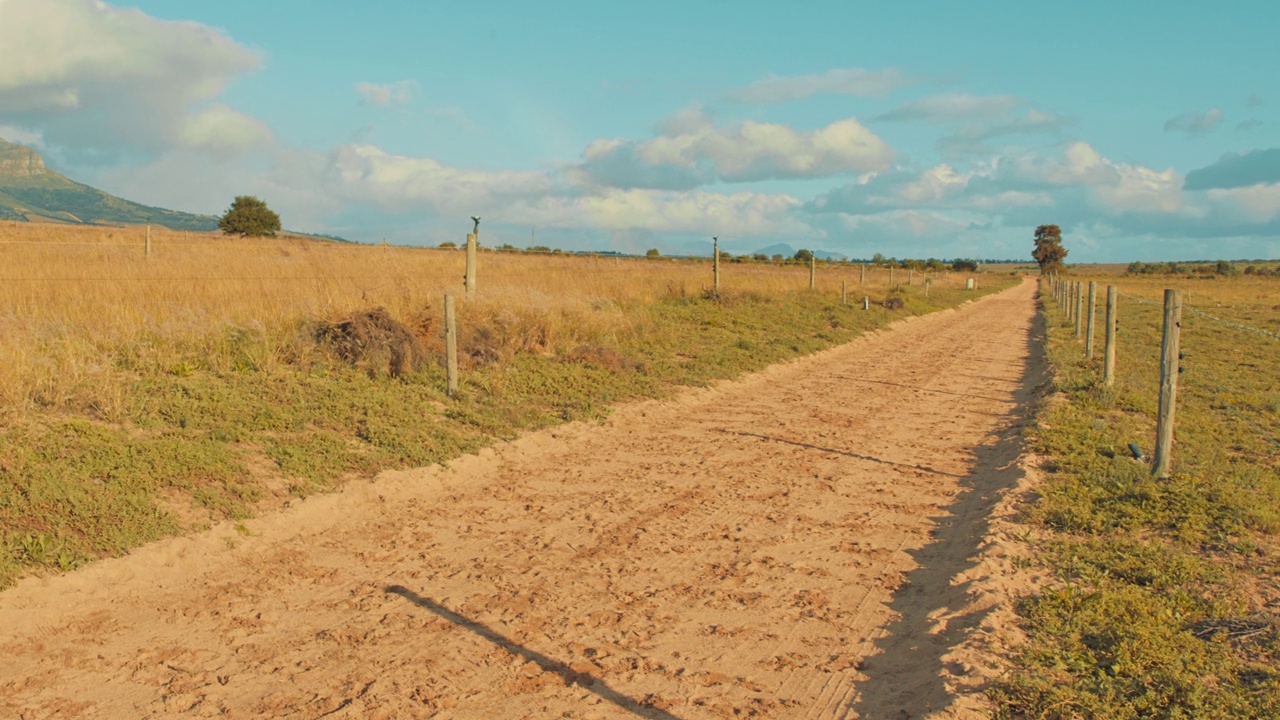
[19, 161]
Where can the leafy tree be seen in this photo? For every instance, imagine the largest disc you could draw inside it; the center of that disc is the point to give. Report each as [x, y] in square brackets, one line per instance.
[963, 265]
[1049, 251]
[877, 259]
[448, 245]
[653, 253]
[777, 257]
[804, 255]
[249, 217]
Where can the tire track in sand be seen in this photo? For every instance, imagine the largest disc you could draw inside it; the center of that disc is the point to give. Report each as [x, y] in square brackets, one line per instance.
[755, 549]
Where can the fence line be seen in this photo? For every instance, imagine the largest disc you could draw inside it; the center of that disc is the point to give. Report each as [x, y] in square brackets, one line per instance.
[1064, 294]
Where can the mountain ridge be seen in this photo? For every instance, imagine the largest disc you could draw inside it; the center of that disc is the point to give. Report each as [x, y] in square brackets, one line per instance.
[31, 192]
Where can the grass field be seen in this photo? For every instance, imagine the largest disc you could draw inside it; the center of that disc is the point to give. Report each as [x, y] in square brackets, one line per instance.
[145, 396]
[1167, 595]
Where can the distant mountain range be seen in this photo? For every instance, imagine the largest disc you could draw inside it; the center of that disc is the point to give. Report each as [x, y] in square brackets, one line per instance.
[31, 192]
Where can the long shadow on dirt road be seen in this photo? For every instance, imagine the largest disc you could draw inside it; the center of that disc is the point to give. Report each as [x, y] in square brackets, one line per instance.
[905, 678]
[566, 673]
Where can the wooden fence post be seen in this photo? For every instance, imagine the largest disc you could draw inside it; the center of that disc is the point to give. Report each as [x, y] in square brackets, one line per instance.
[862, 275]
[1109, 357]
[148, 241]
[866, 303]
[470, 278]
[1090, 317]
[1168, 383]
[715, 264]
[813, 269]
[928, 282]
[450, 346]
[844, 293]
[911, 277]
[890, 276]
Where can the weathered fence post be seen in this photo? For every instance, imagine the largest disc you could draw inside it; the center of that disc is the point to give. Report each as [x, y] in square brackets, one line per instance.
[844, 292]
[866, 303]
[813, 269]
[890, 276]
[1168, 383]
[1090, 316]
[450, 346]
[862, 275]
[715, 264]
[1080, 292]
[1109, 353]
[911, 277]
[928, 282]
[148, 241]
[472, 242]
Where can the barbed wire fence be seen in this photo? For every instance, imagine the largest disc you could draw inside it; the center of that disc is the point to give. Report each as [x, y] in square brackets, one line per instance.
[1251, 398]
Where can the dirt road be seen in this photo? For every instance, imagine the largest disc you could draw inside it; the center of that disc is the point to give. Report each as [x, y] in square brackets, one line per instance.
[799, 544]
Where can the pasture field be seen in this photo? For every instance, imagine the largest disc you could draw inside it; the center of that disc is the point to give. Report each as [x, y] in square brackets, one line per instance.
[1166, 600]
[147, 396]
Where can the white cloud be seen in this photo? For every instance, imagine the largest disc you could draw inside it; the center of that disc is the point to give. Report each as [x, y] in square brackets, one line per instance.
[95, 78]
[692, 150]
[840, 81]
[1195, 123]
[740, 214]
[388, 94]
[953, 107]
[371, 174]
[1075, 185]
[1258, 203]
[220, 128]
[21, 136]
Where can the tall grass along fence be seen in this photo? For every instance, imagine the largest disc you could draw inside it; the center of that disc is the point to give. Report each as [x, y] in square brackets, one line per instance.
[71, 296]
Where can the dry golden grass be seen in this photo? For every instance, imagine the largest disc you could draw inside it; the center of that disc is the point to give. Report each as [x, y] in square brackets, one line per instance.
[81, 305]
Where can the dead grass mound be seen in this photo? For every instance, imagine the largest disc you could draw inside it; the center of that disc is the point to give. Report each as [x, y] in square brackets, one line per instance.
[374, 341]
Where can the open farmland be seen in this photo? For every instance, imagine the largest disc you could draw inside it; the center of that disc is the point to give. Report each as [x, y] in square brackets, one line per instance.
[146, 396]
[1166, 599]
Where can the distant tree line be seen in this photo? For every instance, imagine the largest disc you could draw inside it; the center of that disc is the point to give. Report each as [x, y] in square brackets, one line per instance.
[801, 257]
[1215, 268]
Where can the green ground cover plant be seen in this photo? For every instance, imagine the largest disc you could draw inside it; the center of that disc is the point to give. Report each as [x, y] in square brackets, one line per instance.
[1166, 600]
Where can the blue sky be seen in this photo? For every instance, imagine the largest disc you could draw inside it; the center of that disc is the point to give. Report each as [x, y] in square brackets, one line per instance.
[1146, 130]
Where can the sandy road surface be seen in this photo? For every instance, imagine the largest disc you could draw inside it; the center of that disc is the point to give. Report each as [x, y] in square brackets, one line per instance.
[798, 544]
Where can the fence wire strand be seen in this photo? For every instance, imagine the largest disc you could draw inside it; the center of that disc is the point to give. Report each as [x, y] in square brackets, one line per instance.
[1237, 326]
